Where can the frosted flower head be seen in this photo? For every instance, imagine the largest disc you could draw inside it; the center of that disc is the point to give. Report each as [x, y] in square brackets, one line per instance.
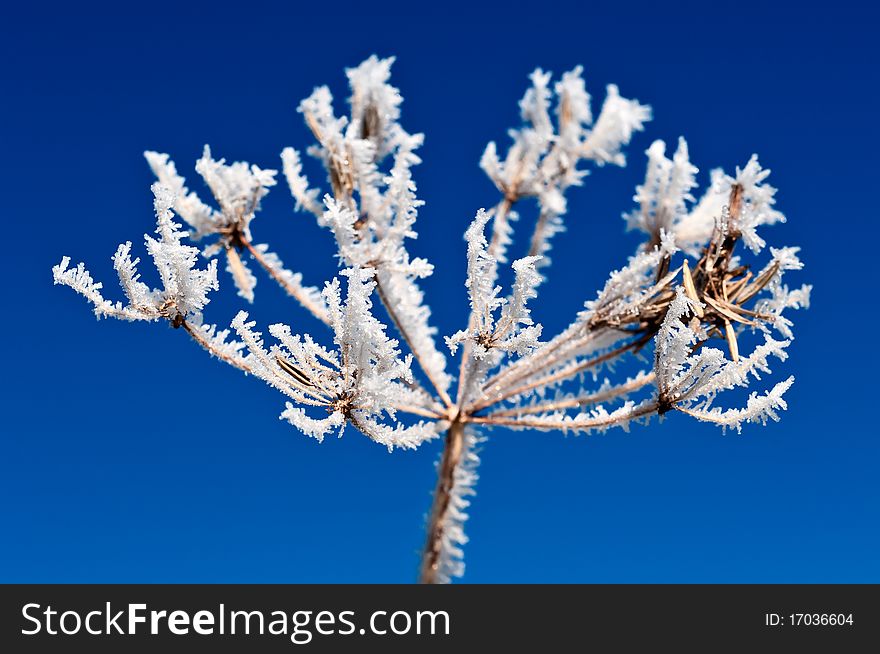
[375, 104]
[237, 189]
[185, 287]
[690, 285]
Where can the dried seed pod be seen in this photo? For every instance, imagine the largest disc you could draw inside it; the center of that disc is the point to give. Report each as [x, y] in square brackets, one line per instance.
[690, 289]
[293, 371]
[730, 335]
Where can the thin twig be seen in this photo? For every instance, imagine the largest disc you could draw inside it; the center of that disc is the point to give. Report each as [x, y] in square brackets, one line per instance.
[583, 400]
[316, 310]
[538, 235]
[206, 345]
[419, 411]
[520, 369]
[501, 209]
[561, 375]
[583, 425]
[380, 291]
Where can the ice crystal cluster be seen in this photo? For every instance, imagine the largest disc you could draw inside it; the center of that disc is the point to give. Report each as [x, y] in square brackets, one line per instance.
[689, 292]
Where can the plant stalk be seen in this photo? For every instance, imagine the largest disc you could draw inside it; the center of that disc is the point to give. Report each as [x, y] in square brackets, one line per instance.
[452, 451]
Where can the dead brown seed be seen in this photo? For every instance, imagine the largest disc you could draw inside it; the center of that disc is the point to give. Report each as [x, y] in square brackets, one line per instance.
[690, 289]
[727, 311]
[730, 335]
[293, 371]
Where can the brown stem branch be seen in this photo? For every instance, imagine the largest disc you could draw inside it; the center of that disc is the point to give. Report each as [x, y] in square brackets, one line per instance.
[538, 234]
[205, 345]
[380, 291]
[418, 411]
[561, 375]
[583, 400]
[452, 451]
[583, 425]
[521, 368]
[499, 222]
[343, 191]
[294, 292]
[502, 209]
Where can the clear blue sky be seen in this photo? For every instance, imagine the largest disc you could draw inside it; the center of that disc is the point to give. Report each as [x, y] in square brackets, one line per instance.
[128, 455]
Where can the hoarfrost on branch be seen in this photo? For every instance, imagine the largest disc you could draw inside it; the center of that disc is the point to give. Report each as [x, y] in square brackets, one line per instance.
[380, 367]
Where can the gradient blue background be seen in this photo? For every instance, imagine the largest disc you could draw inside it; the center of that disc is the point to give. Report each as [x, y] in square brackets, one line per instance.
[129, 455]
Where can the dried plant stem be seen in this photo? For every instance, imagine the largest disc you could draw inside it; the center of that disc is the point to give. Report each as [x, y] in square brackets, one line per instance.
[418, 411]
[704, 416]
[583, 400]
[452, 451]
[236, 267]
[526, 367]
[343, 192]
[547, 424]
[501, 212]
[206, 345]
[500, 221]
[389, 308]
[566, 372]
[294, 292]
[237, 363]
[538, 237]
[507, 377]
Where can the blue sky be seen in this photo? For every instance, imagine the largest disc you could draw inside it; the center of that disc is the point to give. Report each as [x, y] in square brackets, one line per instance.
[128, 455]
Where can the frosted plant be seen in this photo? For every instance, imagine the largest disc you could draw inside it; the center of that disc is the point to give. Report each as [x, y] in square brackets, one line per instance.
[682, 290]
[185, 288]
